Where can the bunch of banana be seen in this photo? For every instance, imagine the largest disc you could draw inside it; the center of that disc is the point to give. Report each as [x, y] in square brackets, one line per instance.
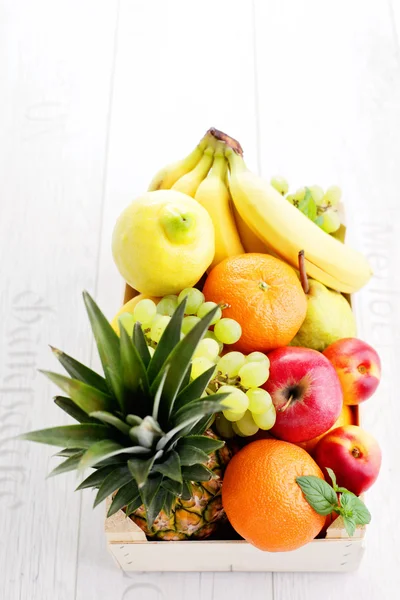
[286, 230]
[202, 175]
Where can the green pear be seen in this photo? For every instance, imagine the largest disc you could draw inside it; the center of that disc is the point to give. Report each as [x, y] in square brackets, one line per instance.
[329, 316]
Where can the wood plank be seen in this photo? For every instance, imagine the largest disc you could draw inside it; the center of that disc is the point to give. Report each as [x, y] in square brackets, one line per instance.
[329, 91]
[53, 116]
[174, 79]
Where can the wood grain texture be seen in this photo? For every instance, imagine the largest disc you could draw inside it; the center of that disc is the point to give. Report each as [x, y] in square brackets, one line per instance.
[53, 116]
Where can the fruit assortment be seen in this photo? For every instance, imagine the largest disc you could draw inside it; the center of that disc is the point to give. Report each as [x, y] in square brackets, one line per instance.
[229, 379]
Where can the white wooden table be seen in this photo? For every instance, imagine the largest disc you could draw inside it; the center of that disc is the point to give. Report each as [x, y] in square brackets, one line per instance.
[96, 95]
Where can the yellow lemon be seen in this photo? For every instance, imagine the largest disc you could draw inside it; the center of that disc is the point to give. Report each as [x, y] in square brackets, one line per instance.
[163, 242]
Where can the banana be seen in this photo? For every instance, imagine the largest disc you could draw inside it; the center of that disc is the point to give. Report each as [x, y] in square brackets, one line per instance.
[280, 225]
[213, 195]
[189, 182]
[165, 178]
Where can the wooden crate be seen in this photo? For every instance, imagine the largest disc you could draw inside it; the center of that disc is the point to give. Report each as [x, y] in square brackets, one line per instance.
[133, 552]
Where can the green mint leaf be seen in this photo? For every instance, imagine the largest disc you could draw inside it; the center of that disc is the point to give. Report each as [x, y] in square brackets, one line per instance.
[355, 508]
[307, 206]
[333, 478]
[318, 493]
[350, 525]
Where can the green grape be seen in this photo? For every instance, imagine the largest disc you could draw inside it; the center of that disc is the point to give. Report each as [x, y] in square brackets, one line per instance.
[199, 365]
[207, 348]
[167, 305]
[158, 327]
[254, 374]
[317, 194]
[331, 221]
[151, 350]
[231, 415]
[259, 400]
[224, 427]
[290, 198]
[257, 357]
[246, 424]
[128, 322]
[230, 363]
[236, 429]
[333, 195]
[227, 331]
[188, 323]
[145, 311]
[211, 335]
[266, 420]
[299, 195]
[236, 402]
[280, 184]
[205, 308]
[195, 299]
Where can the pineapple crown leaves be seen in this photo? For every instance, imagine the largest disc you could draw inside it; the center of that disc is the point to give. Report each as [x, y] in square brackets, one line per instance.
[140, 426]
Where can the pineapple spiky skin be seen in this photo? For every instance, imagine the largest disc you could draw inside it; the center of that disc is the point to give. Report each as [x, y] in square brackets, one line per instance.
[199, 516]
[143, 426]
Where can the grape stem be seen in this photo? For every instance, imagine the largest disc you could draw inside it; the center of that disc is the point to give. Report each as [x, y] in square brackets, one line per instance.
[229, 141]
[303, 274]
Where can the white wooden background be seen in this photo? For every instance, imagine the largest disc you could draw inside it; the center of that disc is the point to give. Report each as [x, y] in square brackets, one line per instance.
[95, 96]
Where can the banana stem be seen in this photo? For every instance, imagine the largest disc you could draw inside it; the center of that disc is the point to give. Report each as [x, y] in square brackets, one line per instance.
[229, 141]
[303, 274]
[236, 162]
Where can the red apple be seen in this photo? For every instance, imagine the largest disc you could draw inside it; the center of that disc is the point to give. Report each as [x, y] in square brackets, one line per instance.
[358, 367]
[353, 455]
[306, 393]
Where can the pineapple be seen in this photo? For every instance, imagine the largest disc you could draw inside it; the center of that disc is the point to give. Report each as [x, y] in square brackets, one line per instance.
[143, 428]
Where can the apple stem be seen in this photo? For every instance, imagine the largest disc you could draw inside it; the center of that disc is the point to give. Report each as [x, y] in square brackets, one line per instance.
[286, 405]
[303, 274]
[229, 141]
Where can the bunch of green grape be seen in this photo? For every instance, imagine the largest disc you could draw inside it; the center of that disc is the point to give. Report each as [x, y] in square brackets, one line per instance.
[319, 206]
[249, 407]
[154, 319]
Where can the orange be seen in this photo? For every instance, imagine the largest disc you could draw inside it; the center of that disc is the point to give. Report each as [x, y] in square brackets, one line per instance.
[263, 294]
[262, 500]
[346, 417]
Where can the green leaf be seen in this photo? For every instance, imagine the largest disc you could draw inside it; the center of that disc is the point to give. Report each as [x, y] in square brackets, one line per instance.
[116, 384]
[79, 371]
[169, 499]
[150, 490]
[128, 493]
[70, 464]
[190, 455]
[107, 342]
[157, 396]
[83, 435]
[140, 469]
[200, 408]
[133, 420]
[115, 480]
[186, 379]
[167, 343]
[99, 451]
[68, 406]
[194, 390]
[349, 524]
[96, 479]
[111, 419]
[174, 487]
[187, 491]
[333, 478]
[307, 206]
[86, 397]
[154, 508]
[201, 426]
[68, 452]
[134, 377]
[355, 508]
[141, 345]
[319, 220]
[202, 442]
[171, 467]
[318, 493]
[197, 473]
[179, 361]
[134, 505]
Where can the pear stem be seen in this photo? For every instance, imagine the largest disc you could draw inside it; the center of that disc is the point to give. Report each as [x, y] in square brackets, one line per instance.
[303, 274]
[229, 141]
